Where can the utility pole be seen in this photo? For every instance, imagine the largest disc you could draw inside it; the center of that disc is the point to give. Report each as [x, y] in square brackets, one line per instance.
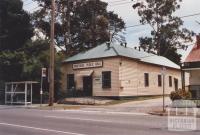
[94, 24]
[68, 25]
[51, 78]
[163, 77]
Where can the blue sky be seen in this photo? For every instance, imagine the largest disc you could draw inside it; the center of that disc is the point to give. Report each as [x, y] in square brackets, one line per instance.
[124, 10]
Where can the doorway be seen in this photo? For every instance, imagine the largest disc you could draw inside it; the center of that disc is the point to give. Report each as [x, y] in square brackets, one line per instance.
[87, 85]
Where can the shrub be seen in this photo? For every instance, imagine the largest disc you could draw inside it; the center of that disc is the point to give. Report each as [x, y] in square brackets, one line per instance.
[180, 94]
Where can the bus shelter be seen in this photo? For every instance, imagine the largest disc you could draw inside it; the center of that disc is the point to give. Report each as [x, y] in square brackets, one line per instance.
[19, 93]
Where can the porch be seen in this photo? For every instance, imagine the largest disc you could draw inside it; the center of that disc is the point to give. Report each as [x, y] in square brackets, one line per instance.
[195, 91]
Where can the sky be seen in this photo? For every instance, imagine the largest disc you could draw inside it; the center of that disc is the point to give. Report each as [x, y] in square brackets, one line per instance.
[124, 9]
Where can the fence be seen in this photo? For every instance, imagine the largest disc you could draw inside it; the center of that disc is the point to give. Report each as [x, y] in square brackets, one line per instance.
[2, 96]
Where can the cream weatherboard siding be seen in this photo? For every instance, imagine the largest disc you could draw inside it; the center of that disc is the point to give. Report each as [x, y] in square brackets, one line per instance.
[109, 64]
[127, 77]
[132, 78]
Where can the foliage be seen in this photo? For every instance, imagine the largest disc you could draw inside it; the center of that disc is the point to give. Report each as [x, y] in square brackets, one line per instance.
[21, 58]
[15, 26]
[180, 94]
[15, 30]
[90, 23]
[37, 57]
[167, 35]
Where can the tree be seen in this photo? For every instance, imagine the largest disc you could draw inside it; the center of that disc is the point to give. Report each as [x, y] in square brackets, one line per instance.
[37, 57]
[15, 30]
[167, 35]
[15, 26]
[88, 27]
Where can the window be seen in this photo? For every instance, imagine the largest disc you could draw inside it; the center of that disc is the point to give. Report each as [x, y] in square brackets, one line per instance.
[146, 79]
[106, 79]
[159, 80]
[70, 81]
[170, 81]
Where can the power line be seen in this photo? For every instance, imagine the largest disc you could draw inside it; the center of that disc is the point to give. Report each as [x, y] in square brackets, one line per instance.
[25, 1]
[120, 4]
[117, 1]
[131, 26]
[186, 16]
[28, 3]
[196, 14]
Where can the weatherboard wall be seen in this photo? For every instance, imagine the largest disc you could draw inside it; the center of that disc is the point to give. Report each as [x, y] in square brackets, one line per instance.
[127, 77]
[109, 64]
[131, 76]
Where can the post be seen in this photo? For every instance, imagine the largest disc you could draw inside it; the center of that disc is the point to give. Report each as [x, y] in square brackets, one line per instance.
[94, 23]
[41, 91]
[51, 83]
[68, 24]
[12, 94]
[182, 77]
[31, 93]
[25, 94]
[163, 74]
[163, 92]
[6, 93]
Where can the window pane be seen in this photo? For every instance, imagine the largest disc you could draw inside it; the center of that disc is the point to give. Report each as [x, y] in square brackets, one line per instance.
[170, 81]
[146, 79]
[70, 81]
[159, 80]
[106, 79]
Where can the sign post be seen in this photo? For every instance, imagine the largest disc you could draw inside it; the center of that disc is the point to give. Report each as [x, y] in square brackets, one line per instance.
[43, 75]
[163, 74]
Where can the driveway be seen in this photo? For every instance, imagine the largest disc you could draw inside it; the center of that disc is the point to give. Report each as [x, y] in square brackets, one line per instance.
[133, 106]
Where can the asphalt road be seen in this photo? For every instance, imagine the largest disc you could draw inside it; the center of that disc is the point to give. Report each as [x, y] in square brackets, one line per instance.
[19, 121]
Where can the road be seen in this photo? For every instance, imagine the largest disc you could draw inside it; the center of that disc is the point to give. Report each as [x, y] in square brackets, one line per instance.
[20, 121]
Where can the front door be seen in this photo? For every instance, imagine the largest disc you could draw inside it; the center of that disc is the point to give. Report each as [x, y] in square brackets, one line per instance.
[87, 85]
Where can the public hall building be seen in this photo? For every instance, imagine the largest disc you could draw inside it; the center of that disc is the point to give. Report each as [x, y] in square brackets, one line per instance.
[112, 70]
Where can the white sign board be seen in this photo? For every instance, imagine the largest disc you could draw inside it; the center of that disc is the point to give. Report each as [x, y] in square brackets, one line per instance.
[44, 72]
[98, 80]
[88, 65]
[163, 70]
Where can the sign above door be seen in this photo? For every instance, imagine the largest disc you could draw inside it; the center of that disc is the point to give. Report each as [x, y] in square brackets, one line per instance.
[88, 65]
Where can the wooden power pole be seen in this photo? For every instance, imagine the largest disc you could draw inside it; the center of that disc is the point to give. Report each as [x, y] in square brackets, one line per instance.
[52, 55]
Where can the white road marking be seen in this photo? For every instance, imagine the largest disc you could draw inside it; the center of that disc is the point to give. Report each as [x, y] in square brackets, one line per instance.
[128, 113]
[105, 112]
[57, 117]
[41, 129]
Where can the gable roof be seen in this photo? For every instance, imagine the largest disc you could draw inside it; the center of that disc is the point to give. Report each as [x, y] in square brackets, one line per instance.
[194, 55]
[103, 51]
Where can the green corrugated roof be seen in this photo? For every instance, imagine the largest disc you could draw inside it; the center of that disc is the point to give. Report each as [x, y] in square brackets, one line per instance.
[102, 51]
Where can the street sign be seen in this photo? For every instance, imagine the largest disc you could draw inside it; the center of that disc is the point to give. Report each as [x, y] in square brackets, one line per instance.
[41, 92]
[44, 72]
[163, 70]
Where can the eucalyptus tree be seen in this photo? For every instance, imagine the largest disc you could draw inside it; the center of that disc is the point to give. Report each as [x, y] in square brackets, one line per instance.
[168, 33]
[80, 24]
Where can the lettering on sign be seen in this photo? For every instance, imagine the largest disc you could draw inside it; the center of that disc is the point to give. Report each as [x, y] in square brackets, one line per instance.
[98, 80]
[88, 65]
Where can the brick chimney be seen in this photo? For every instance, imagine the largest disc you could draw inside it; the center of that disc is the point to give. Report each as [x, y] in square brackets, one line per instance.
[198, 41]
